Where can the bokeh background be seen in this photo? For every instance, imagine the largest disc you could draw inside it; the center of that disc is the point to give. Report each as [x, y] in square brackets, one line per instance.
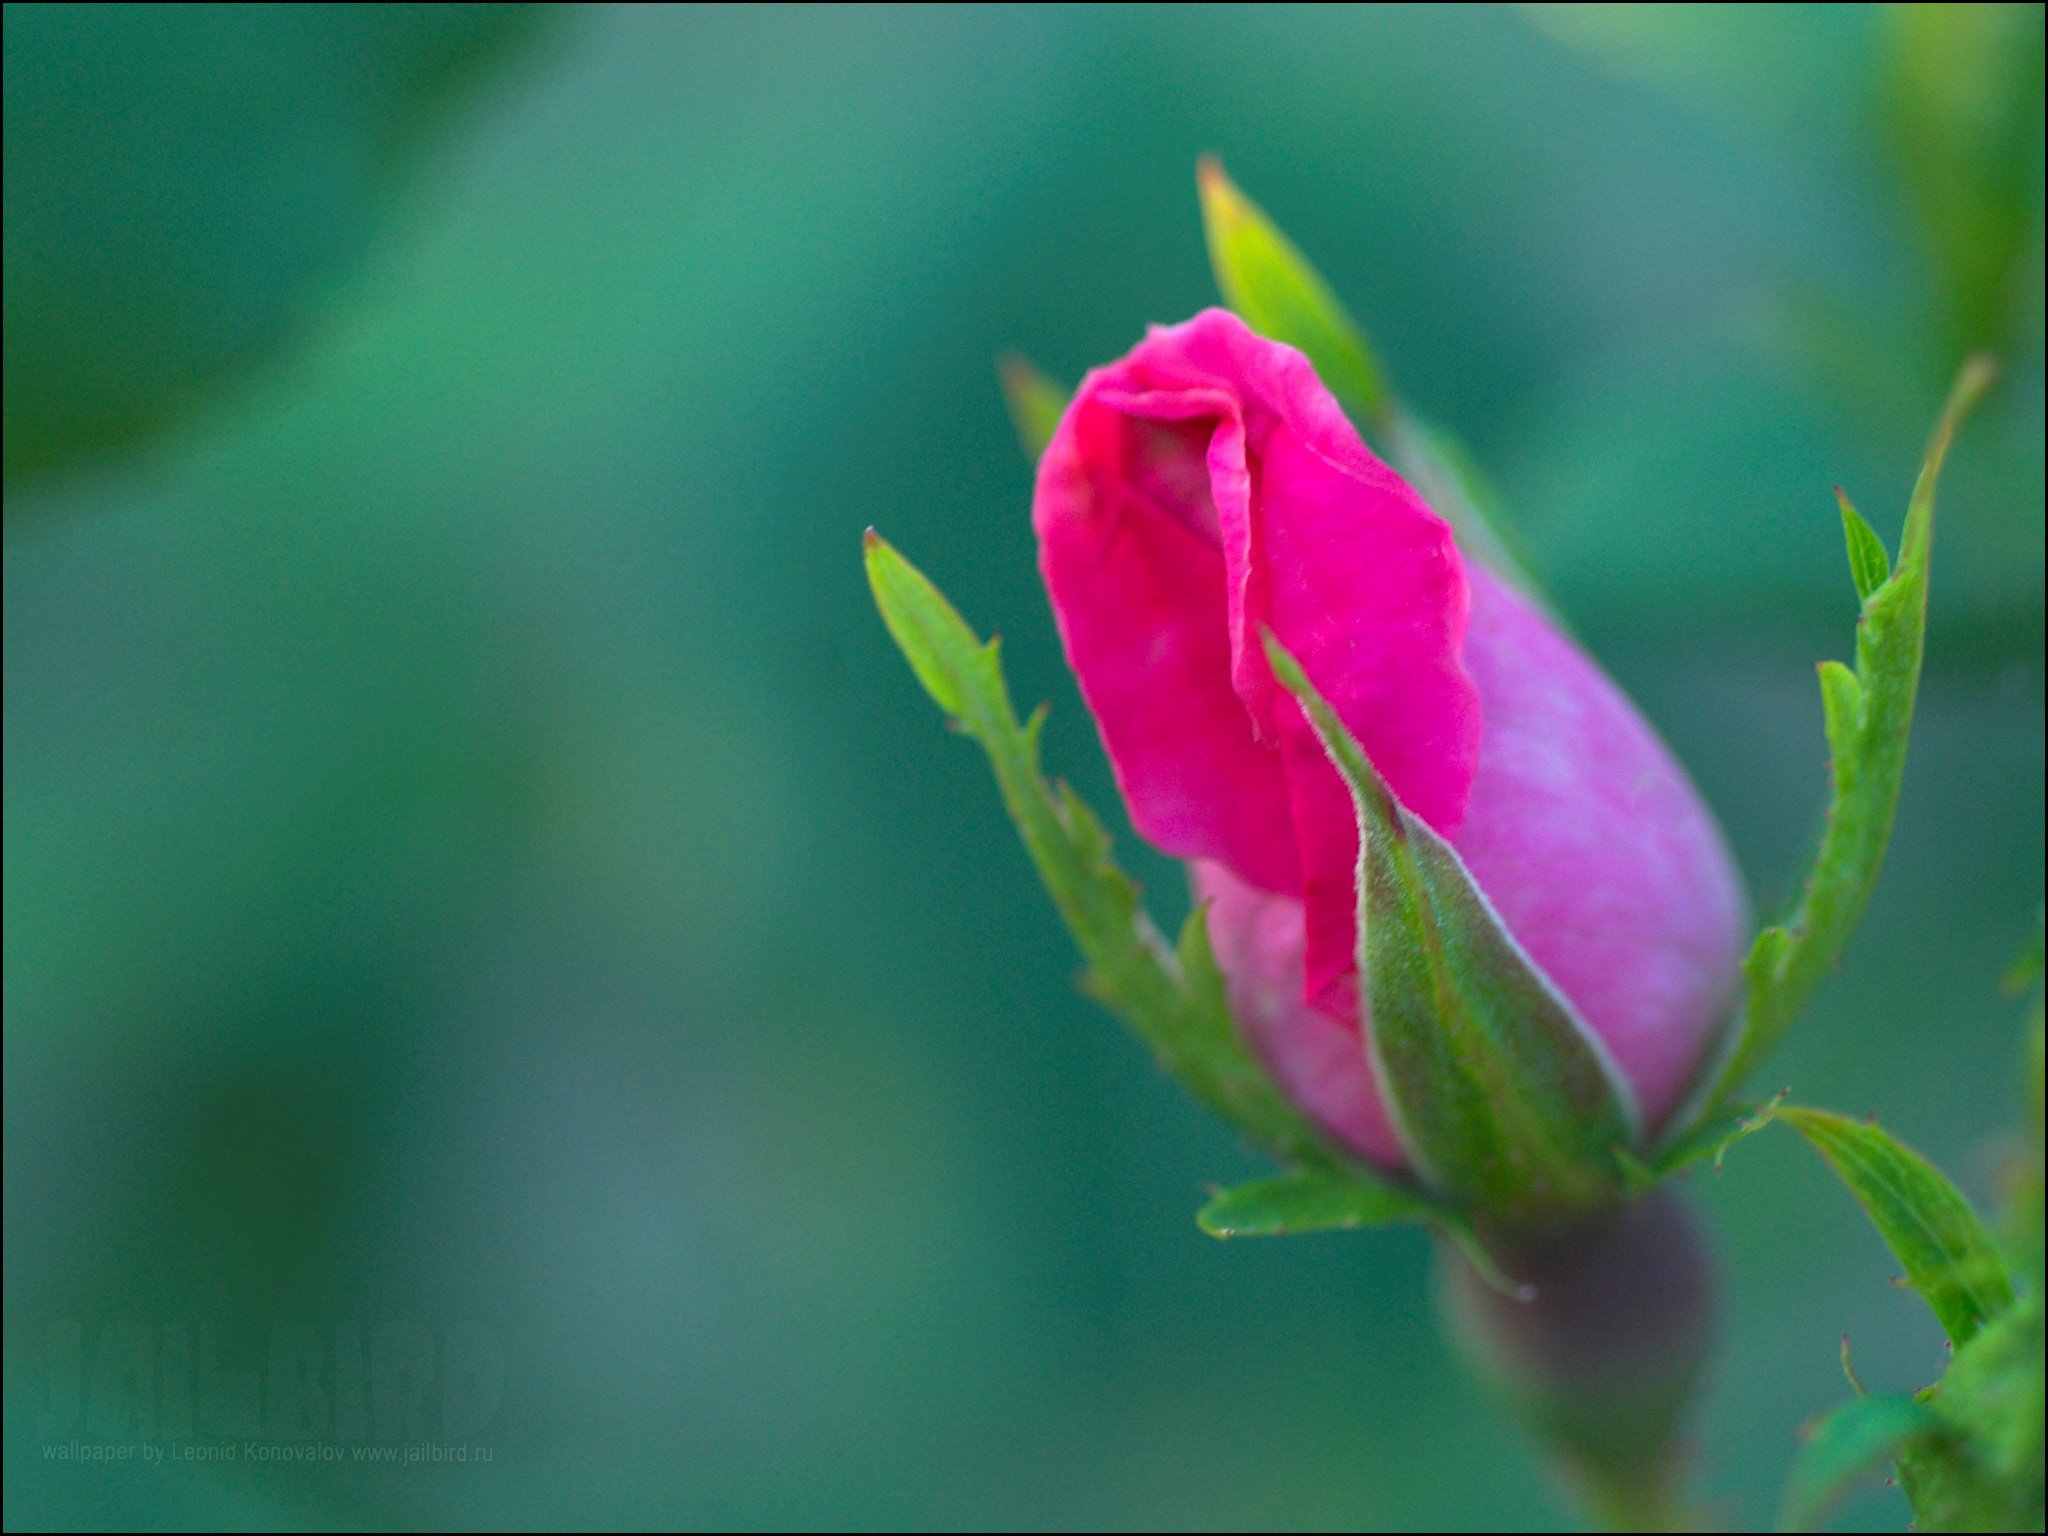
[474, 860]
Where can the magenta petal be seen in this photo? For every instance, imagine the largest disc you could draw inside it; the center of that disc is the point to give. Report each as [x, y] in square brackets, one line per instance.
[1596, 850]
[1363, 584]
[1138, 587]
[1200, 489]
[1318, 1059]
[1207, 487]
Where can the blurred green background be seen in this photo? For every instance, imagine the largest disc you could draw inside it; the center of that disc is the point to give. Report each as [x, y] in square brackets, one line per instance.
[474, 861]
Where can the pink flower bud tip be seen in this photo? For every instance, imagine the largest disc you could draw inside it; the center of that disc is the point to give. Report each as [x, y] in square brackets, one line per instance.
[1207, 486]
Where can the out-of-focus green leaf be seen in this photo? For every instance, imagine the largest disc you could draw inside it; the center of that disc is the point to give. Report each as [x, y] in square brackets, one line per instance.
[1869, 565]
[2020, 1223]
[2026, 1177]
[1868, 713]
[1504, 1100]
[1790, 74]
[1172, 998]
[2034, 1075]
[1948, 1255]
[1036, 402]
[1847, 1444]
[176, 179]
[1985, 1472]
[1961, 93]
[1267, 281]
[2025, 970]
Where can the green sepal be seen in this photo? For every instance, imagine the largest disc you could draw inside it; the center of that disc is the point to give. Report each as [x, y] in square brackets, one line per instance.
[1505, 1102]
[1278, 293]
[1948, 1254]
[1333, 1200]
[1847, 1445]
[1036, 402]
[1868, 713]
[1317, 1201]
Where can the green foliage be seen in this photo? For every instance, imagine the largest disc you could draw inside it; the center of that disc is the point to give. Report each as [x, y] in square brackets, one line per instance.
[1968, 1449]
[1316, 1201]
[179, 179]
[2025, 970]
[1329, 1200]
[1961, 86]
[2021, 1224]
[1503, 1097]
[1982, 1470]
[1172, 998]
[1869, 713]
[1862, 1433]
[1035, 402]
[1948, 1255]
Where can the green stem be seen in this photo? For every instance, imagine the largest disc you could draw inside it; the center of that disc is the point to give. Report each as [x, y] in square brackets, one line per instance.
[1648, 1501]
[1598, 1350]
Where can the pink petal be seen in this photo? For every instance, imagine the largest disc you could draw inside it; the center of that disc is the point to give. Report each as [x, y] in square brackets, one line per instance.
[1206, 486]
[1138, 586]
[1318, 1058]
[1162, 577]
[1596, 850]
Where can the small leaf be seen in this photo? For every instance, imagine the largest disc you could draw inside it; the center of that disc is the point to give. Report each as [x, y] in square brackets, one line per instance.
[1268, 282]
[1036, 403]
[1869, 566]
[1869, 713]
[1948, 1255]
[1173, 1000]
[1848, 1444]
[1310, 1202]
[1504, 1101]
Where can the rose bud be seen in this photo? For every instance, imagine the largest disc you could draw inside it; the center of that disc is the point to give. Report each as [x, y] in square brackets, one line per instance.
[1206, 491]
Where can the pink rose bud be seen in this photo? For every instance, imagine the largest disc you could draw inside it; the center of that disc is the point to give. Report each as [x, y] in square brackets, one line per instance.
[1206, 488]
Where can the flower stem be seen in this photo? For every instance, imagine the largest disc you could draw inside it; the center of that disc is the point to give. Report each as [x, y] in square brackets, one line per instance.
[1598, 1350]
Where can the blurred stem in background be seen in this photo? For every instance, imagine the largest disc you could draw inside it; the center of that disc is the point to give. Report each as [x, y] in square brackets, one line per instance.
[1601, 1359]
[1960, 117]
